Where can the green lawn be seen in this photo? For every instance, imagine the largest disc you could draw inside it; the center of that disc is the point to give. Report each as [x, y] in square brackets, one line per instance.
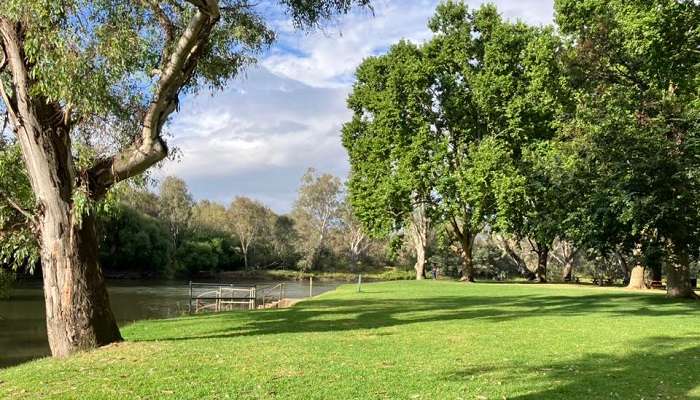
[398, 340]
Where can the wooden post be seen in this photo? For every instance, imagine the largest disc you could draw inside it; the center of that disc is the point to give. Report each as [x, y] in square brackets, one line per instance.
[252, 298]
[311, 286]
[189, 308]
[359, 283]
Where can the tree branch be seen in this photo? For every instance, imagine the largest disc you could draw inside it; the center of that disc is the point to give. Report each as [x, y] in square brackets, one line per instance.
[150, 148]
[17, 207]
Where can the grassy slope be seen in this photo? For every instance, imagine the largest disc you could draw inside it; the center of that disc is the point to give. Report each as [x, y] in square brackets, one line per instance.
[399, 340]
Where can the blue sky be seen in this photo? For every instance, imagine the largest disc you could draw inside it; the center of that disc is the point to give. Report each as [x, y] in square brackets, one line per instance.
[257, 137]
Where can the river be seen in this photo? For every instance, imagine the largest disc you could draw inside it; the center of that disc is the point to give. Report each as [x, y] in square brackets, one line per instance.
[23, 330]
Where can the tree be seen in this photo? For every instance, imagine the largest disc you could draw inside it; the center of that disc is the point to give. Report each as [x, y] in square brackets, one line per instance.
[134, 242]
[284, 240]
[209, 217]
[88, 87]
[250, 221]
[635, 128]
[356, 240]
[315, 211]
[423, 139]
[388, 144]
[175, 206]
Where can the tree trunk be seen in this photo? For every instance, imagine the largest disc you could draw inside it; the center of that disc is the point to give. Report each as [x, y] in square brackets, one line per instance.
[542, 257]
[419, 230]
[420, 263]
[78, 314]
[678, 279]
[467, 243]
[636, 278]
[567, 274]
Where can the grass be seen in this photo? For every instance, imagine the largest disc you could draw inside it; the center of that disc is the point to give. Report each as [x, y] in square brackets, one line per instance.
[398, 340]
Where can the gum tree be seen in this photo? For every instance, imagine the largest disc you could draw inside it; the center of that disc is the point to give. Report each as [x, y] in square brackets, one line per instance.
[88, 87]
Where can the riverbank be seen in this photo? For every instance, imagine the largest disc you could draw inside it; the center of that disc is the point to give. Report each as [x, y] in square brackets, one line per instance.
[375, 275]
[398, 340]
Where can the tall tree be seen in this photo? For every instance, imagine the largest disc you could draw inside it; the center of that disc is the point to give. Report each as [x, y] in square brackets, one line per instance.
[250, 221]
[388, 141]
[356, 240]
[316, 211]
[175, 206]
[636, 122]
[110, 73]
[209, 217]
[428, 135]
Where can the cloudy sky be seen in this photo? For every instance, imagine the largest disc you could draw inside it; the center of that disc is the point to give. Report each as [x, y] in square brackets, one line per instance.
[258, 137]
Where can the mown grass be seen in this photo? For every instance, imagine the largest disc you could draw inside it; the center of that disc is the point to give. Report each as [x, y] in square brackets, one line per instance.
[398, 340]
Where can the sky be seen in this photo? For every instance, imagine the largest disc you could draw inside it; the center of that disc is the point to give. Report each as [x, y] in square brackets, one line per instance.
[258, 136]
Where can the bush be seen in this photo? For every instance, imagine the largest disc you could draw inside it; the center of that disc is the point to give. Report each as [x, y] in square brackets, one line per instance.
[134, 242]
[7, 279]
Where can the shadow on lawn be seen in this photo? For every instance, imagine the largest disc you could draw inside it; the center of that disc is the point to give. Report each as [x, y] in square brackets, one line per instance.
[660, 368]
[335, 315]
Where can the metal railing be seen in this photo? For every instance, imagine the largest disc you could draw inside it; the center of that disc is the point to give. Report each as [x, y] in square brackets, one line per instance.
[272, 296]
[220, 297]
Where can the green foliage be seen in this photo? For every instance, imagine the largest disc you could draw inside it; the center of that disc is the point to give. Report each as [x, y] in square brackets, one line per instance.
[316, 212]
[635, 131]
[446, 124]
[134, 242]
[99, 57]
[18, 247]
[205, 254]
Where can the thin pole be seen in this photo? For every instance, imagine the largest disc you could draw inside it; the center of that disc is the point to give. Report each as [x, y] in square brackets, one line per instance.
[311, 286]
[189, 308]
[359, 283]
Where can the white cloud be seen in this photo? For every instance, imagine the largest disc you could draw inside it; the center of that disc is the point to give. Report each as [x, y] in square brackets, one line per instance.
[264, 128]
[329, 58]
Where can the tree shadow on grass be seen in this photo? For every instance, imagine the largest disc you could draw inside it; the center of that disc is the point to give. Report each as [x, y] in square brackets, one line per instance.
[334, 315]
[658, 368]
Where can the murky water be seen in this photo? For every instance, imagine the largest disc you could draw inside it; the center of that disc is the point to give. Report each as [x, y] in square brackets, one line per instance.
[23, 331]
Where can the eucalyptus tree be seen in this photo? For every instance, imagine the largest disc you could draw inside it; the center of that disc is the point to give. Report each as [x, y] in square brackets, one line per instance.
[315, 212]
[637, 124]
[250, 221]
[175, 206]
[353, 234]
[88, 87]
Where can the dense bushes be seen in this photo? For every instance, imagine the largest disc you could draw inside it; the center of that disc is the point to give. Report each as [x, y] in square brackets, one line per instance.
[134, 242]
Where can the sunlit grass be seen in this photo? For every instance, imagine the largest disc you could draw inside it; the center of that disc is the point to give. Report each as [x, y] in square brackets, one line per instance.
[398, 340]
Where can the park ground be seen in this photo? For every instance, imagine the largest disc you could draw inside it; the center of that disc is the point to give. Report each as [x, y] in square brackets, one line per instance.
[398, 340]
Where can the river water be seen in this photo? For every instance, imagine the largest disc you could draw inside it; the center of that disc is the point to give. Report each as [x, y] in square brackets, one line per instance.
[23, 330]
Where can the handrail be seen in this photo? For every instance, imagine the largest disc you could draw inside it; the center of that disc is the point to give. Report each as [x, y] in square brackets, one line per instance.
[268, 293]
[223, 297]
